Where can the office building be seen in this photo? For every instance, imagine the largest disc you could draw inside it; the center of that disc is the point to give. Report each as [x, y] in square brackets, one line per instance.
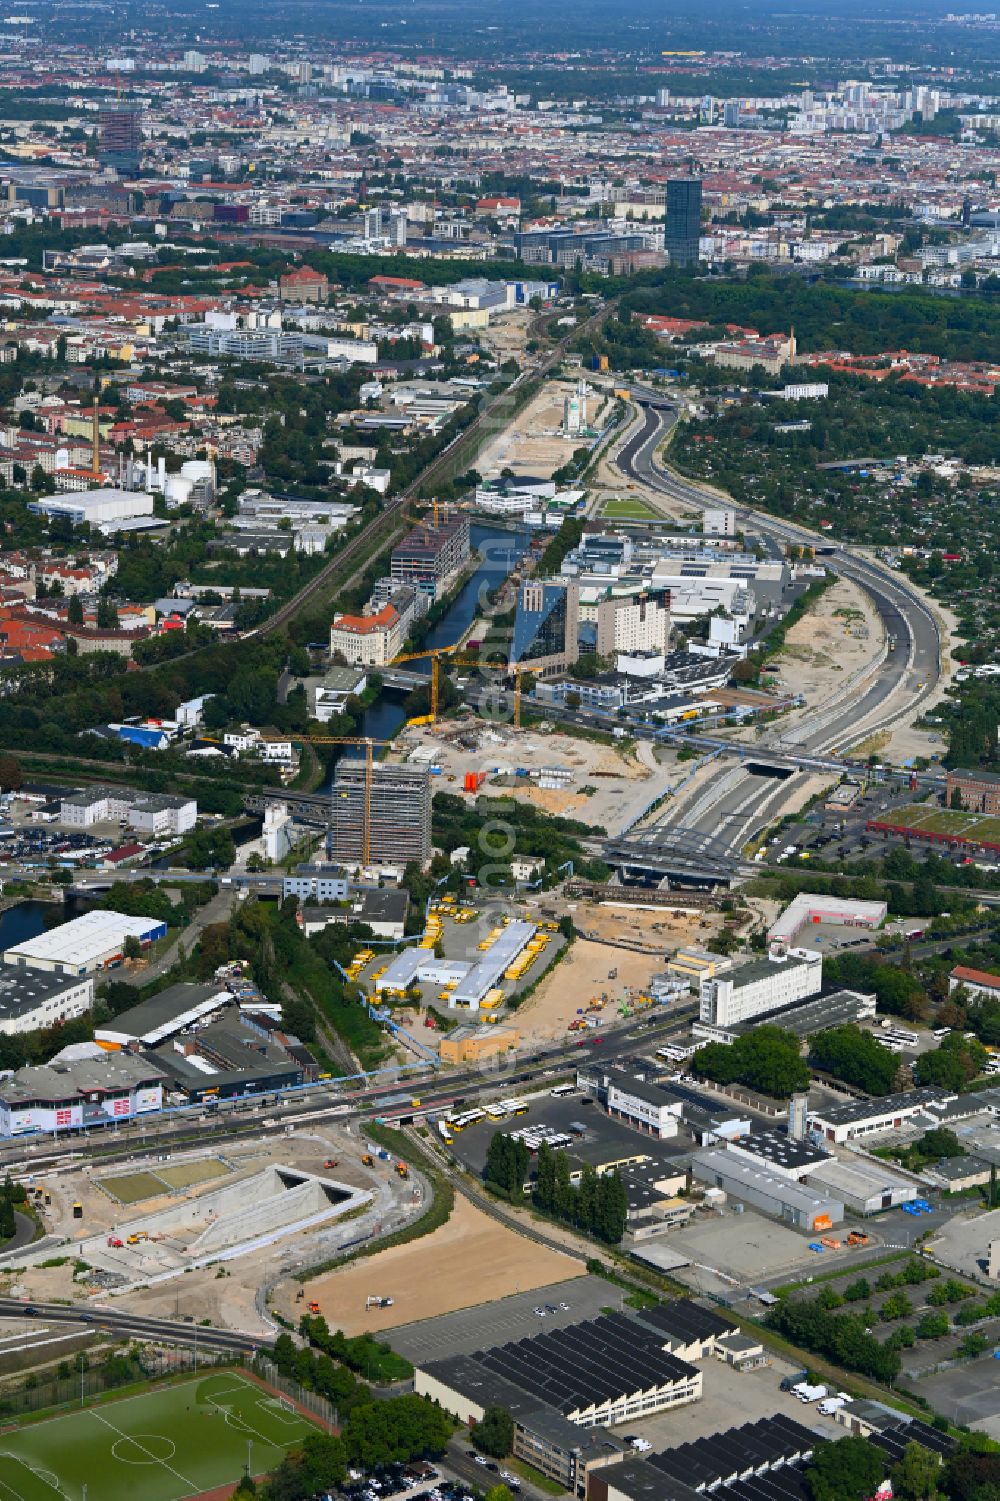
[979, 791]
[152, 813]
[85, 944]
[546, 625]
[120, 147]
[398, 804]
[430, 557]
[368, 640]
[683, 226]
[760, 985]
[873, 1117]
[31, 999]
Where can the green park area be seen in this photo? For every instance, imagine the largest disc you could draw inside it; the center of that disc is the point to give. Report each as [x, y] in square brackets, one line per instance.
[164, 1445]
[628, 509]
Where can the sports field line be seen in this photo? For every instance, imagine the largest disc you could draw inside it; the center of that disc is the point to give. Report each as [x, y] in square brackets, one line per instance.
[237, 1421]
[195, 1489]
[38, 1474]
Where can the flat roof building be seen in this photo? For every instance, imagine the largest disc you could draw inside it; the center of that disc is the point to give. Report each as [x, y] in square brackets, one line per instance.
[807, 907]
[871, 1117]
[84, 944]
[66, 1096]
[31, 999]
[162, 1016]
[863, 1186]
[761, 985]
[767, 1191]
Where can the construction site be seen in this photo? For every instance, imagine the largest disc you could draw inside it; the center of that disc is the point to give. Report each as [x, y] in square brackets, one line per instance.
[545, 434]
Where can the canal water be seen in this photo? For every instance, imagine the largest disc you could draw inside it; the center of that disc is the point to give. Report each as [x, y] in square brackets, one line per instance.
[27, 920]
[500, 552]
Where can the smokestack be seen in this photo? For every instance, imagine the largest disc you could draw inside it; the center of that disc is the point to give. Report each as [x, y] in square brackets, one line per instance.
[162, 476]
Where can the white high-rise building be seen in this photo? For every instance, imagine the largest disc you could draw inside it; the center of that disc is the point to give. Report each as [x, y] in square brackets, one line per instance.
[759, 986]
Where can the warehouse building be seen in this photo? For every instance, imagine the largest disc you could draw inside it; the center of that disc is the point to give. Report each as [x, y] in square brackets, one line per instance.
[85, 944]
[31, 999]
[765, 1190]
[760, 985]
[865, 1187]
[99, 508]
[397, 806]
[871, 1117]
[598, 1373]
[87, 1092]
[162, 1016]
[781, 1154]
[810, 908]
[487, 974]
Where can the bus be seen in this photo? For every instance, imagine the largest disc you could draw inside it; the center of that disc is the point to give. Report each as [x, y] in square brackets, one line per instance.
[444, 1133]
[562, 1090]
[459, 1122]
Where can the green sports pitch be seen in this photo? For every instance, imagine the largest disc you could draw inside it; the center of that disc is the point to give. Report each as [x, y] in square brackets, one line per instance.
[164, 1445]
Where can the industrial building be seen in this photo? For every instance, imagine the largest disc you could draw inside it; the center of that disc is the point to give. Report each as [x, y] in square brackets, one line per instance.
[490, 970]
[810, 908]
[397, 808]
[864, 1187]
[65, 1096]
[772, 1448]
[431, 556]
[871, 1117]
[100, 508]
[162, 1016]
[598, 1373]
[31, 999]
[472, 1044]
[769, 1192]
[758, 986]
[85, 944]
[145, 812]
[383, 909]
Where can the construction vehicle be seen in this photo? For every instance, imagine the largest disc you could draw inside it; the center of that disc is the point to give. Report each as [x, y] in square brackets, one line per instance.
[330, 1162]
[831, 1242]
[115, 1241]
[137, 1238]
[300, 1295]
[314, 1307]
[858, 1238]
[373, 1301]
[368, 1160]
[402, 1169]
[78, 1210]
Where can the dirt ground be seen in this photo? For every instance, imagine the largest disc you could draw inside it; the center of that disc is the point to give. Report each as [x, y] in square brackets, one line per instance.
[534, 442]
[582, 974]
[825, 648]
[469, 1260]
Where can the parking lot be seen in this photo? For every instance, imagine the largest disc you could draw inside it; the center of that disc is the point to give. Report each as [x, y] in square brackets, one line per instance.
[968, 1393]
[961, 1242]
[729, 1397]
[510, 1319]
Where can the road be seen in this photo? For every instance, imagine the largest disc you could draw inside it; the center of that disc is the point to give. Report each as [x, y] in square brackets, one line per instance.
[118, 1321]
[701, 837]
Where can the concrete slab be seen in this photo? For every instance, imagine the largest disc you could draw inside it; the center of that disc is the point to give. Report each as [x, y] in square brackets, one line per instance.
[967, 1394]
[509, 1319]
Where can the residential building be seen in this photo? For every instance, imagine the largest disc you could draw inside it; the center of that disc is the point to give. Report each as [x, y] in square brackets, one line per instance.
[759, 985]
[303, 284]
[396, 808]
[145, 812]
[976, 982]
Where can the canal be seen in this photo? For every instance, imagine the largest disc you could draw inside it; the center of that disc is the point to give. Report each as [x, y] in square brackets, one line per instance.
[27, 920]
[499, 552]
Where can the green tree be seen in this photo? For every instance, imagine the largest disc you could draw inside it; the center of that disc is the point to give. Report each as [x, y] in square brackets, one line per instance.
[846, 1469]
[932, 1325]
[915, 1477]
[495, 1434]
[74, 610]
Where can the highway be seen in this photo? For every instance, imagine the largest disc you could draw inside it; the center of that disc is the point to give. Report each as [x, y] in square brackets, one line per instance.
[701, 837]
[118, 1321]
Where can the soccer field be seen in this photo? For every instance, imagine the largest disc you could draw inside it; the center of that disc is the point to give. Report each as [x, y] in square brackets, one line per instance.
[160, 1446]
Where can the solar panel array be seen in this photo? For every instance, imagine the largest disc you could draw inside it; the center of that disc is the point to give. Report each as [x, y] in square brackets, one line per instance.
[894, 1440]
[735, 1455]
[588, 1364]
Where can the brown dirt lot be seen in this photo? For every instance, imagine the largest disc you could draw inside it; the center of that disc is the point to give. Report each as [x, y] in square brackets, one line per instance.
[469, 1260]
[582, 974]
